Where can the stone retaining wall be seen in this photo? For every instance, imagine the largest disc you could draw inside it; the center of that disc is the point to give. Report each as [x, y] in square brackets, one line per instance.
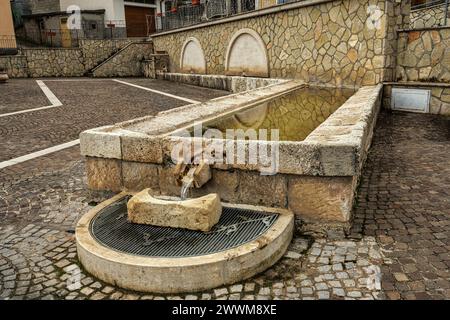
[97, 51]
[333, 42]
[16, 66]
[128, 62]
[55, 62]
[45, 62]
[424, 55]
[76, 62]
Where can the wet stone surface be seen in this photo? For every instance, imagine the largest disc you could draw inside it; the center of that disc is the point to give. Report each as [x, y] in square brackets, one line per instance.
[400, 235]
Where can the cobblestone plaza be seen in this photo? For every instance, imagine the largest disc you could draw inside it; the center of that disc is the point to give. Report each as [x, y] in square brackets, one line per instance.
[235, 150]
[398, 247]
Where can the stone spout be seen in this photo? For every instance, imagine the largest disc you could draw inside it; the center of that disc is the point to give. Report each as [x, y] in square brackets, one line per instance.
[200, 174]
[200, 214]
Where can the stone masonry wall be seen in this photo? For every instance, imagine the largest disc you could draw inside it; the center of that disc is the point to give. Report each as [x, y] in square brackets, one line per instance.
[126, 63]
[97, 51]
[424, 55]
[428, 17]
[16, 66]
[44, 63]
[55, 62]
[69, 62]
[399, 17]
[334, 42]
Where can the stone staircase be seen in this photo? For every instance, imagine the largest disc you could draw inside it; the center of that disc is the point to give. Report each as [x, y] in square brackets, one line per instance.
[126, 62]
[89, 73]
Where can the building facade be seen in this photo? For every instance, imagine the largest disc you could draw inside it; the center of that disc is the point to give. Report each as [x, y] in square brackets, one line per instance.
[51, 22]
[7, 35]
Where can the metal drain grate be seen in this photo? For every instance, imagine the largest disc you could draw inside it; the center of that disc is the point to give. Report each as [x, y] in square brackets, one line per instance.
[236, 227]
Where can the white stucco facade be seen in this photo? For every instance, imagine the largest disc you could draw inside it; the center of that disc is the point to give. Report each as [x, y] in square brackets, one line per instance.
[114, 9]
[192, 57]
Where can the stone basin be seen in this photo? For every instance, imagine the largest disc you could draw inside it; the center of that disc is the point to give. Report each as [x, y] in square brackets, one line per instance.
[194, 214]
[246, 241]
[314, 168]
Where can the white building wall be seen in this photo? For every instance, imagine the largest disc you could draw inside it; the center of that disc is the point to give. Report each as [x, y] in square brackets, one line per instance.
[142, 5]
[114, 9]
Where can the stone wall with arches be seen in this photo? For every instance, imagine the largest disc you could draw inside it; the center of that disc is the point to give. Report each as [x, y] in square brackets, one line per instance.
[246, 55]
[339, 42]
[192, 57]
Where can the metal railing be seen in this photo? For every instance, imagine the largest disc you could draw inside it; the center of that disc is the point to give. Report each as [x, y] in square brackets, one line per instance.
[428, 4]
[184, 16]
[8, 42]
[8, 45]
[430, 14]
[69, 38]
[51, 37]
[188, 15]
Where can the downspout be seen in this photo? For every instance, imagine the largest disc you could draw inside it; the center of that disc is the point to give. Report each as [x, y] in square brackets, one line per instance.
[446, 12]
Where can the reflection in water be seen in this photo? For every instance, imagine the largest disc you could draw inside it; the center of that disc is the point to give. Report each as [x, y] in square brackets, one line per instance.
[295, 114]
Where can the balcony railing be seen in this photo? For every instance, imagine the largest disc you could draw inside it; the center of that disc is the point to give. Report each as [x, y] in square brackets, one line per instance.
[189, 15]
[69, 38]
[428, 4]
[430, 14]
[8, 45]
[184, 16]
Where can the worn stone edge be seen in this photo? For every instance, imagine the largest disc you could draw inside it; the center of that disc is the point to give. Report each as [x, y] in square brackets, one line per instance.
[173, 275]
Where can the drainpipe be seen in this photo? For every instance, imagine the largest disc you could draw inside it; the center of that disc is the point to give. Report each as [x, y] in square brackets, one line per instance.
[228, 7]
[446, 12]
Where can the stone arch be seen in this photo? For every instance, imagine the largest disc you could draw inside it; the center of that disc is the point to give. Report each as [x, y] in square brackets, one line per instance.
[247, 55]
[192, 57]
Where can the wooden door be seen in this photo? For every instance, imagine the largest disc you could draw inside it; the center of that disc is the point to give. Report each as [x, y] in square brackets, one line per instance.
[66, 37]
[137, 19]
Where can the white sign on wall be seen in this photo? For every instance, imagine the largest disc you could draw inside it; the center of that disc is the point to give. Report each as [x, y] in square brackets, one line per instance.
[415, 100]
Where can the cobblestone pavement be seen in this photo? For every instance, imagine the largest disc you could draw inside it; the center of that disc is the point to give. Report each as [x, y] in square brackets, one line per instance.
[86, 104]
[404, 201]
[401, 229]
[21, 94]
[188, 91]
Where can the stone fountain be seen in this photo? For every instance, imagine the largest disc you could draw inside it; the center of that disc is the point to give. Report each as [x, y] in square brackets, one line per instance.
[147, 242]
[187, 228]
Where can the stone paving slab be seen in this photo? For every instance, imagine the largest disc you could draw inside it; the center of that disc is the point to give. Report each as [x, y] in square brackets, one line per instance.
[86, 104]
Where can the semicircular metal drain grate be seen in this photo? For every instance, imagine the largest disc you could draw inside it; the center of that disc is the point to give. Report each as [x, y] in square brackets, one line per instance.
[236, 227]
